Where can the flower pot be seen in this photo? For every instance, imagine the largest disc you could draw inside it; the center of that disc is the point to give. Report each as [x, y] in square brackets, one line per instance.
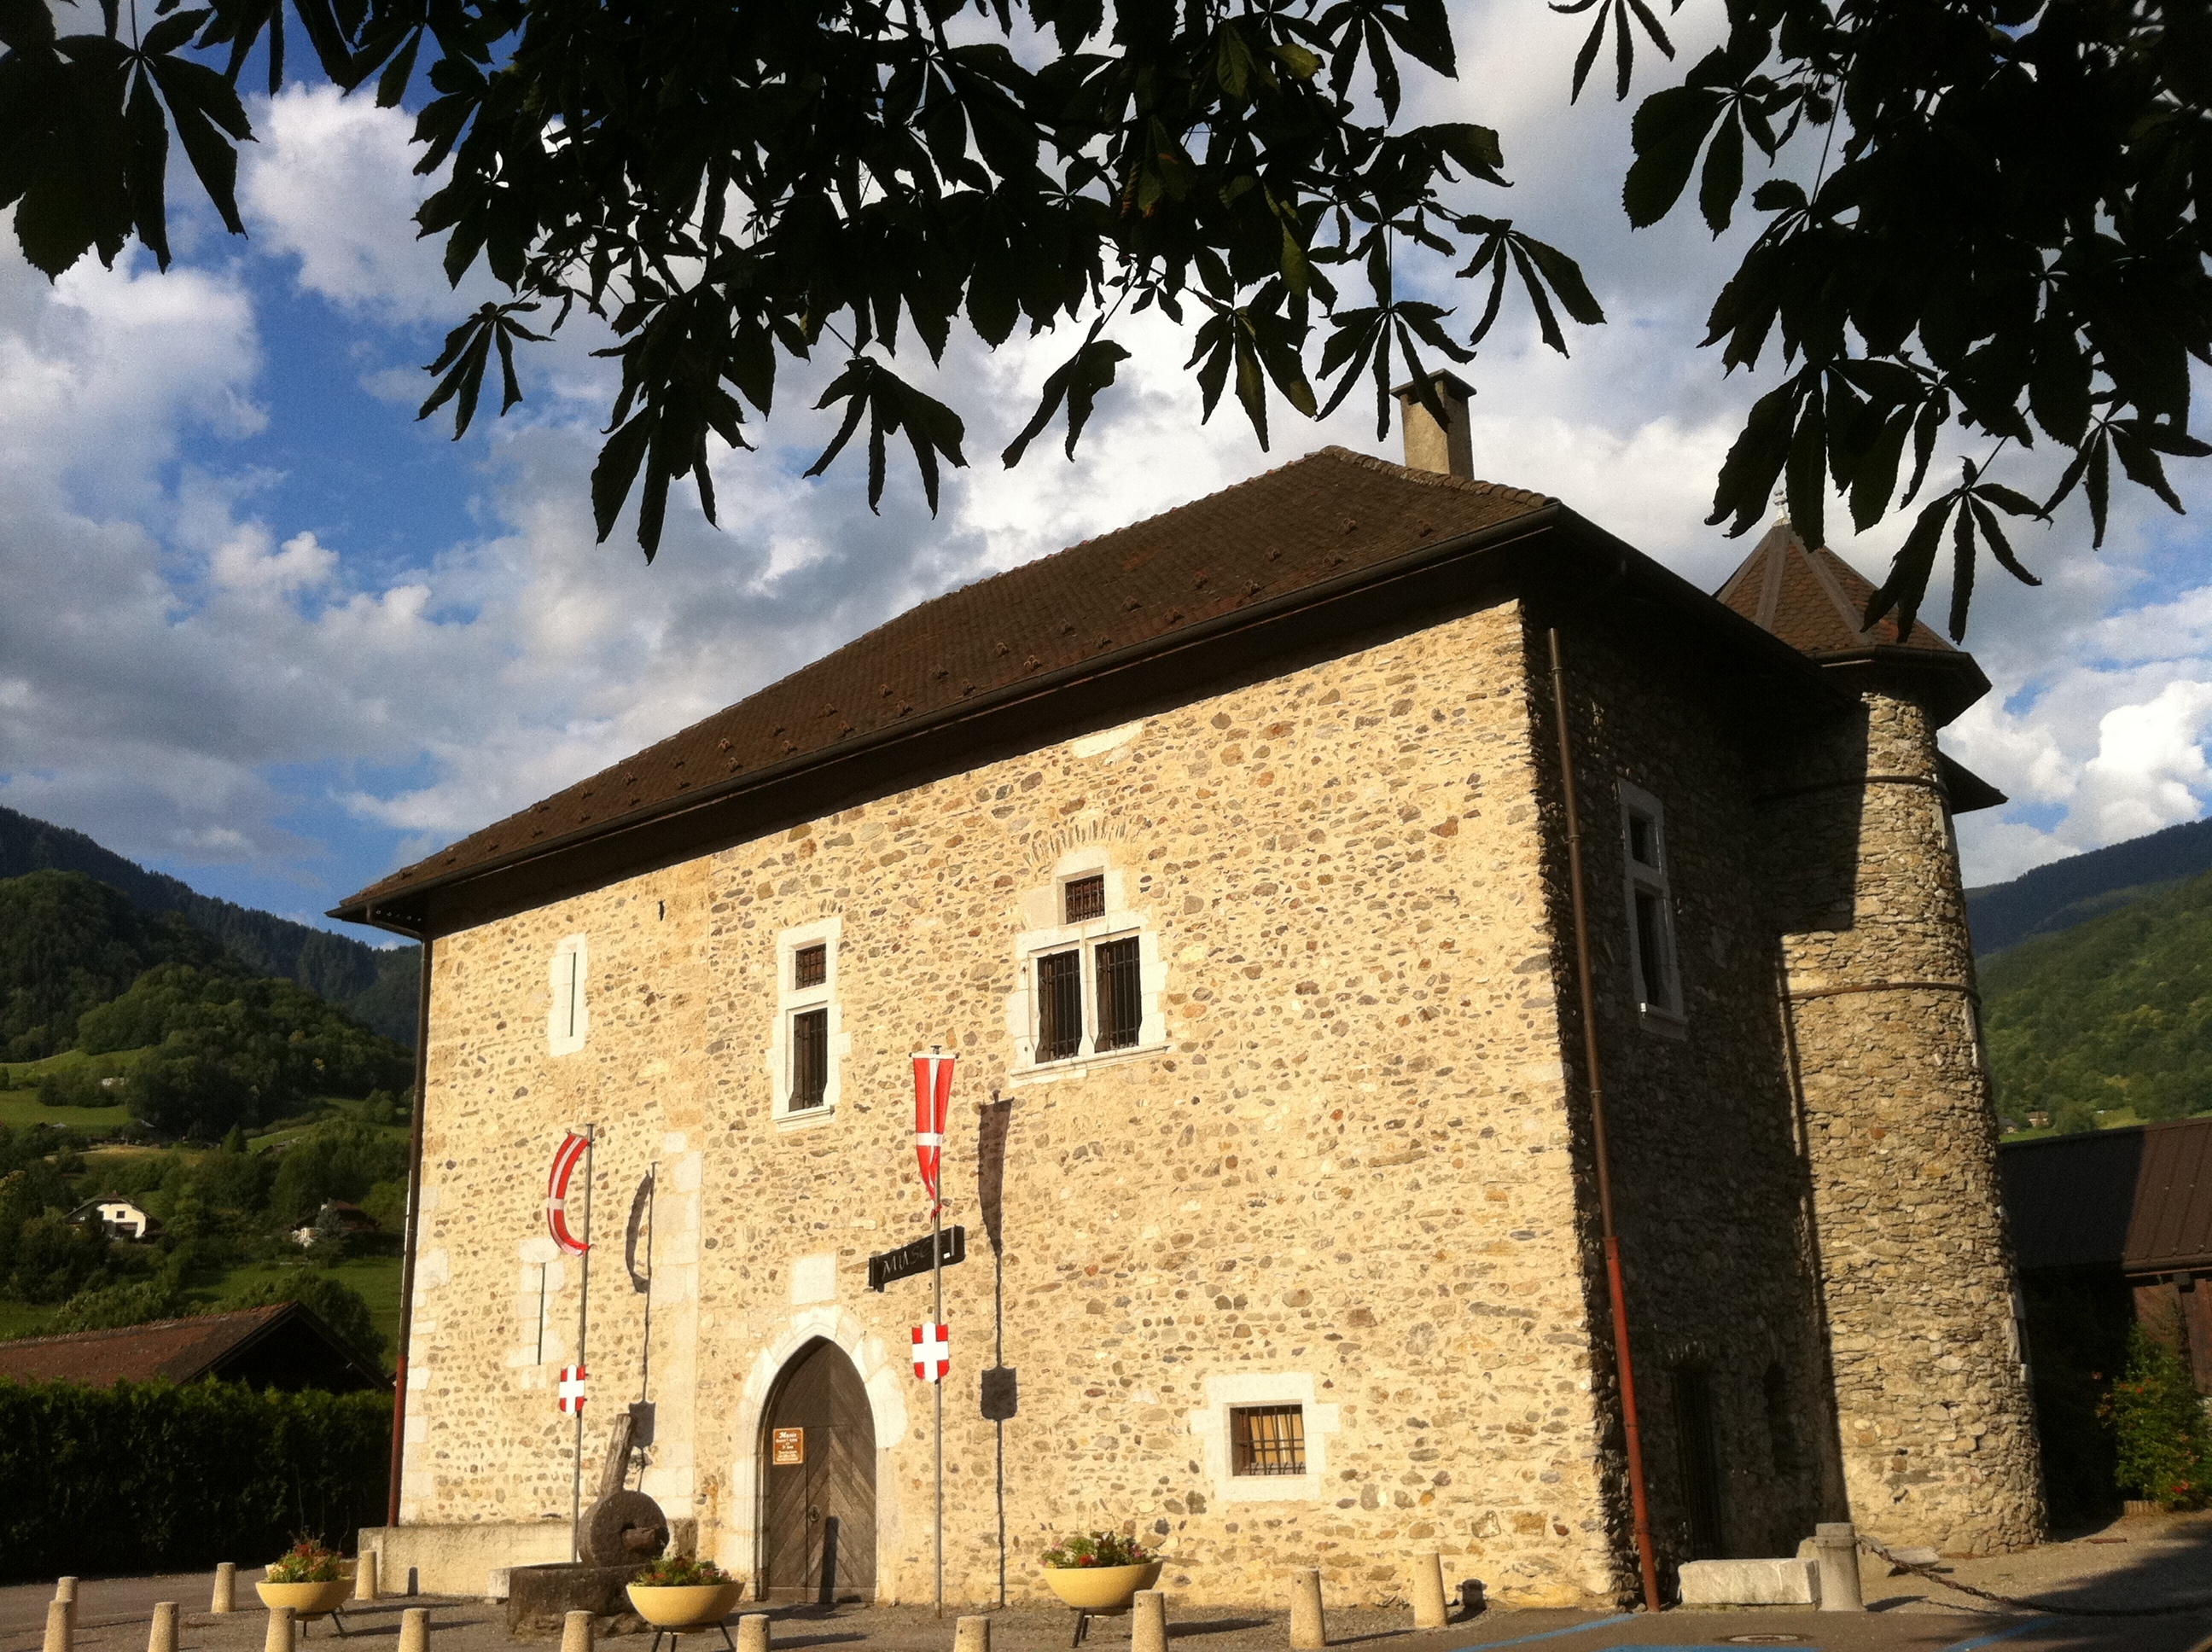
[1102, 1589]
[691, 1606]
[307, 1600]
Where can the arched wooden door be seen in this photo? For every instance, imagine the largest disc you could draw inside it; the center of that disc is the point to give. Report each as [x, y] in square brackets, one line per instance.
[817, 1453]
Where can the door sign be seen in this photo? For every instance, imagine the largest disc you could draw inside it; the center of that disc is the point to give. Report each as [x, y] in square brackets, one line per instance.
[787, 1447]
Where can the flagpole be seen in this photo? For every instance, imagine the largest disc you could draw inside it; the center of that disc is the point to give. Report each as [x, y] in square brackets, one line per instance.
[936, 1319]
[583, 1325]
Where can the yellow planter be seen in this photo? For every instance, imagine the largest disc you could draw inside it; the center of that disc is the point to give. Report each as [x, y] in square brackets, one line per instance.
[1102, 1589]
[307, 1600]
[692, 1605]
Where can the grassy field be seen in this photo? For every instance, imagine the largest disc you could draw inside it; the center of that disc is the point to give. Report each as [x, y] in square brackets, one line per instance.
[376, 1278]
[18, 1092]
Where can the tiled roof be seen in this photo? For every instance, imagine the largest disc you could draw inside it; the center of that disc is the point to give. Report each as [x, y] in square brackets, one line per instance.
[1332, 512]
[1814, 599]
[168, 1350]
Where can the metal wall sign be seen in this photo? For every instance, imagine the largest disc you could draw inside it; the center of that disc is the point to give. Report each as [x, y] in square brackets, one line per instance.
[1001, 1395]
[909, 1260]
[788, 1448]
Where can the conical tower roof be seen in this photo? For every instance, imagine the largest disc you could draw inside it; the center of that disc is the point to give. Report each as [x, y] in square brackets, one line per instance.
[1816, 602]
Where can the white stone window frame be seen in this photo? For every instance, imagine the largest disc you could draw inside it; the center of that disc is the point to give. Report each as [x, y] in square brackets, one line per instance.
[792, 1000]
[1217, 1452]
[1661, 1012]
[568, 1016]
[1120, 921]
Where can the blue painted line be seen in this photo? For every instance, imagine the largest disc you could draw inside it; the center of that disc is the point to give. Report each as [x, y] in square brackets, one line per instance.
[1996, 1636]
[1554, 1634]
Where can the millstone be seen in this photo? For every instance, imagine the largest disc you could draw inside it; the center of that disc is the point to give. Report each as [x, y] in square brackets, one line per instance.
[623, 1528]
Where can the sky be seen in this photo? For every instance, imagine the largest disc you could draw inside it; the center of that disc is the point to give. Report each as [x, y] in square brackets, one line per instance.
[265, 632]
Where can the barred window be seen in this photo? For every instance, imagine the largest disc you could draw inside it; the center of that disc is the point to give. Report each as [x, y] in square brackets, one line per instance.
[1268, 1439]
[809, 965]
[1059, 1006]
[1085, 898]
[809, 1059]
[1654, 971]
[1120, 1004]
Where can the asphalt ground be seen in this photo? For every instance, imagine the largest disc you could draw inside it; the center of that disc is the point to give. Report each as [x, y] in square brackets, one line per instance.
[2130, 1563]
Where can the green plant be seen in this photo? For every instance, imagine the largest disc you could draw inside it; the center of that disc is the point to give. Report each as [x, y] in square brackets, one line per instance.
[679, 1572]
[2157, 1425]
[307, 1561]
[1098, 1548]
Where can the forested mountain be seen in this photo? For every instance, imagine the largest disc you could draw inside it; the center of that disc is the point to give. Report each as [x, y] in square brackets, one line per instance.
[377, 987]
[2115, 1012]
[2067, 892]
[69, 944]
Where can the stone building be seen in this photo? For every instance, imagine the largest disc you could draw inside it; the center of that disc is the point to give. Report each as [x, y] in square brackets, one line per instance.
[1230, 853]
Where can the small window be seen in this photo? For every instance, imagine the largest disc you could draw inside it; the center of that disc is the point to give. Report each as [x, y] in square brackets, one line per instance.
[568, 1019]
[1120, 1004]
[1086, 898]
[1268, 1439]
[810, 1059]
[809, 965]
[1655, 977]
[1059, 1006]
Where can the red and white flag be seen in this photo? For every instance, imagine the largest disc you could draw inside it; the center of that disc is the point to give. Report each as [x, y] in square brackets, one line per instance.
[571, 1150]
[933, 1102]
[932, 1351]
[571, 1390]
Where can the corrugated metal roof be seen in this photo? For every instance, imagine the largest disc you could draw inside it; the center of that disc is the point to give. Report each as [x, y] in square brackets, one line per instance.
[2138, 1199]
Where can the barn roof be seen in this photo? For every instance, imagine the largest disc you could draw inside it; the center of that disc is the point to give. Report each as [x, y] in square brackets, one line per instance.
[2139, 1199]
[1321, 545]
[270, 1346]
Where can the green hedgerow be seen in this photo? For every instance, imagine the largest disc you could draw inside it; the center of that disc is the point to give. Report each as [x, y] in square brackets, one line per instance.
[2157, 1425]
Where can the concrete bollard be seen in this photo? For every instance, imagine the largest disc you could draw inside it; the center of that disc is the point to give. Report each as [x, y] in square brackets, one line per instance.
[65, 1590]
[162, 1636]
[971, 1635]
[282, 1629]
[226, 1588]
[364, 1575]
[413, 1583]
[753, 1632]
[576, 1632]
[1837, 1543]
[1426, 1586]
[1148, 1628]
[61, 1625]
[415, 1629]
[1307, 1628]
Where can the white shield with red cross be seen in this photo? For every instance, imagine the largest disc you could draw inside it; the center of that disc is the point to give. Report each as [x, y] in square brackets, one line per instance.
[932, 1351]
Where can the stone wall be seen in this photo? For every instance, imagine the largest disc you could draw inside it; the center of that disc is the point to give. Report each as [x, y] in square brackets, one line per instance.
[1934, 1421]
[1335, 1170]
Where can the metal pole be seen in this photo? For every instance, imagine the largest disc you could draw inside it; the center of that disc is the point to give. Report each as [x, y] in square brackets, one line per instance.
[1616, 1289]
[583, 1325]
[936, 1319]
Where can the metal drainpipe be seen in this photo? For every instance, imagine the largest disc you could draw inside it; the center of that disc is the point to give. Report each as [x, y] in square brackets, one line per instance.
[414, 1220]
[1640, 1511]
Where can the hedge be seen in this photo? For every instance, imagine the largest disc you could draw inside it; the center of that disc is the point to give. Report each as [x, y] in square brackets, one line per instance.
[152, 1477]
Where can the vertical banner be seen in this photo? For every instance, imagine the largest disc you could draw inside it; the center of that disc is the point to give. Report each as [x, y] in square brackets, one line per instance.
[933, 1102]
[565, 1157]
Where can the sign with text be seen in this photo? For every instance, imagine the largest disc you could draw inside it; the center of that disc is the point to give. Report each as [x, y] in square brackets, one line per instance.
[788, 1448]
[909, 1260]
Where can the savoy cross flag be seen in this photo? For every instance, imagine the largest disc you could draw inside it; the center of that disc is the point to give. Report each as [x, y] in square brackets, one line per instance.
[932, 1351]
[932, 1100]
[571, 1389]
[571, 1150]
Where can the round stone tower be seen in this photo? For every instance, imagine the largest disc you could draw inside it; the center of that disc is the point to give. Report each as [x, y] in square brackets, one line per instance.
[1934, 1424]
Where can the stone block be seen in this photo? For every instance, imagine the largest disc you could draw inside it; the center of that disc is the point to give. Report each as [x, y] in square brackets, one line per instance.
[540, 1598]
[1751, 1583]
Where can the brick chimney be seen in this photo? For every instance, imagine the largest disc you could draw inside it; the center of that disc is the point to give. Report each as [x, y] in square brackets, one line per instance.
[1433, 446]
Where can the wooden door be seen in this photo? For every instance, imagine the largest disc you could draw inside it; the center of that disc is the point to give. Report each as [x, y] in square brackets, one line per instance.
[818, 1482]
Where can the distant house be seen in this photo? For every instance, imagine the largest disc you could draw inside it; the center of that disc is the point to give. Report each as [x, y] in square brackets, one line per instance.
[350, 1216]
[2121, 1214]
[118, 1218]
[283, 1346]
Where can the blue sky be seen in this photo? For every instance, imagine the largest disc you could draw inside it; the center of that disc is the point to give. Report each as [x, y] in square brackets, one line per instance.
[267, 633]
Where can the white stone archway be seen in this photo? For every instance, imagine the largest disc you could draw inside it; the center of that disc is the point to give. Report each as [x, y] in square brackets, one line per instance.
[738, 1550]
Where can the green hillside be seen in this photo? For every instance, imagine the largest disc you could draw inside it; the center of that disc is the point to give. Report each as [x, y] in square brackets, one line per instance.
[2112, 1017]
[376, 987]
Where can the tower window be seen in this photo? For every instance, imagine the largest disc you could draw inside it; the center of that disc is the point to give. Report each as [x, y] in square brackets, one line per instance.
[805, 1041]
[1059, 1006]
[568, 1019]
[1085, 898]
[809, 965]
[1267, 1440]
[809, 1059]
[1121, 1001]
